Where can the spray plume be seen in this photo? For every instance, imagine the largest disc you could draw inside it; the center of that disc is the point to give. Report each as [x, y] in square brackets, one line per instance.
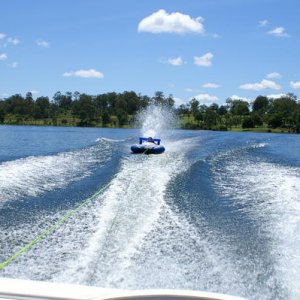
[155, 119]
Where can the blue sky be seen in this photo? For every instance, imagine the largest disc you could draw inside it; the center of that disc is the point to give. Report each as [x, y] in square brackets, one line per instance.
[207, 49]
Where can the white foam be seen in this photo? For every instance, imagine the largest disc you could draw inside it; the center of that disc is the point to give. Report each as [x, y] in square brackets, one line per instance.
[270, 194]
[132, 237]
[175, 254]
[35, 175]
[110, 140]
[142, 241]
[130, 208]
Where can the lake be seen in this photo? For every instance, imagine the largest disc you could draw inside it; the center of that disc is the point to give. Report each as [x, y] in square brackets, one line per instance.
[218, 211]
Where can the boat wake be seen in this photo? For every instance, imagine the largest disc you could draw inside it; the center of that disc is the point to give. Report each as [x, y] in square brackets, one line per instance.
[268, 194]
[36, 175]
[222, 219]
[99, 245]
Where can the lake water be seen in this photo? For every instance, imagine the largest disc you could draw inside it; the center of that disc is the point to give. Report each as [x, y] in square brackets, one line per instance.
[218, 211]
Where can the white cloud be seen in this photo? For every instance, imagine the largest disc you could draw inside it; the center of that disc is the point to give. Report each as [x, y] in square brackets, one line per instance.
[264, 84]
[42, 43]
[189, 90]
[13, 41]
[162, 22]
[206, 98]
[34, 92]
[278, 32]
[275, 96]
[204, 61]
[194, 90]
[274, 75]
[295, 85]
[3, 56]
[14, 65]
[236, 97]
[91, 73]
[177, 61]
[2, 35]
[263, 23]
[210, 85]
[179, 101]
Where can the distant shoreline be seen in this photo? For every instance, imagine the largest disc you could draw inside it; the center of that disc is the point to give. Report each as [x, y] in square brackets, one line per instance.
[235, 129]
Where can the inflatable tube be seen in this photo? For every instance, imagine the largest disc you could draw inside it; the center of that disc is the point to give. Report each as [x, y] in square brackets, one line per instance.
[148, 146]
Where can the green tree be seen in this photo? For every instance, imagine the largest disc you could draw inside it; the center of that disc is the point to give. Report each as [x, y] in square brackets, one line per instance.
[66, 101]
[257, 119]
[222, 110]
[54, 111]
[247, 123]
[84, 109]
[16, 104]
[296, 117]
[239, 107]
[169, 101]
[210, 117]
[194, 105]
[63, 101]
[111, 101]
[132, 102]
[2, 111]
[281, 111]
[214, 107]
[41, 108]
[57, 97]
[158, 98]
[275, 120]
[183, 109]
[122, 117]
[285, 105]
[261, 104]
[144, 101]
[105, 118]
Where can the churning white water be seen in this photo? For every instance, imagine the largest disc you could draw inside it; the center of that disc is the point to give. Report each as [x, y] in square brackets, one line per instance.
[36, 175]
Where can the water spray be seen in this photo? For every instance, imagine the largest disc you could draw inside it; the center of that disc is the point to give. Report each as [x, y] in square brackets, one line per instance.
[155, 120]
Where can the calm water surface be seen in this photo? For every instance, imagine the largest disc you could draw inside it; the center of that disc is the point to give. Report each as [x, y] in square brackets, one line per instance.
[217, 211]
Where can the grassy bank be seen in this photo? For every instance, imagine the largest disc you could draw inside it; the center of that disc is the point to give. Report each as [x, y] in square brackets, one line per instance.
[65, 120]
[260, 129]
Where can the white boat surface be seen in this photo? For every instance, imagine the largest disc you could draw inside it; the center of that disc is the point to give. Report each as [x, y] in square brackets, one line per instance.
[19, 289]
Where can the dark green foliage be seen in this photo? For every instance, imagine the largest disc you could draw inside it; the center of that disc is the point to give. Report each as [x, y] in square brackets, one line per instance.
[261, 104]
[222, 110]
[239, 107]
[247, 123]
[257, 119]
[2, 115]
[110, 109]
[275, 120]
[283, 113]
[194, 104]
[105, 118]
[84, 110]
[41, 108]
[119, 109]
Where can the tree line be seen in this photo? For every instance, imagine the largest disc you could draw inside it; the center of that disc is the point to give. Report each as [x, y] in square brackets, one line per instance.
[75, 109]
[119, 109]
[283, 112]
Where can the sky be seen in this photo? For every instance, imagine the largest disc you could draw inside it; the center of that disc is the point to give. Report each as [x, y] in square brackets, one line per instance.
[205, 49]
